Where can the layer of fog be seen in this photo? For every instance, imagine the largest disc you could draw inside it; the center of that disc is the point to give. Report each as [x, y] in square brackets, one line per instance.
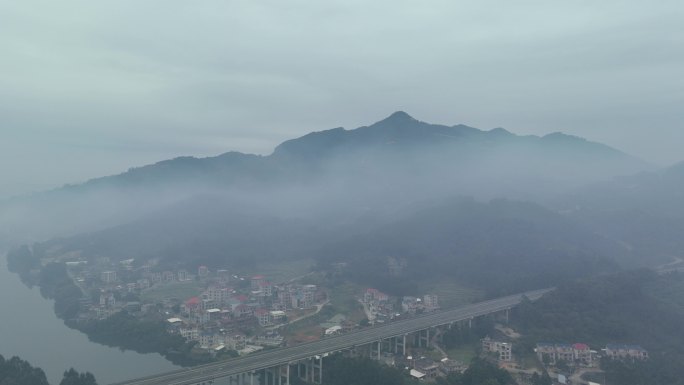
[368, 173]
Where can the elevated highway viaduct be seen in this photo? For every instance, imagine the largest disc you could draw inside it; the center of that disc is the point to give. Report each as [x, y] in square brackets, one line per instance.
[273, 367]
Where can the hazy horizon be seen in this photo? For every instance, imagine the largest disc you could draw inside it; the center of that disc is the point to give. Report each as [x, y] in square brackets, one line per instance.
[91, 93]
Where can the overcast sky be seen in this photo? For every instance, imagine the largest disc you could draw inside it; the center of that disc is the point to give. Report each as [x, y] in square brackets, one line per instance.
[91, 88]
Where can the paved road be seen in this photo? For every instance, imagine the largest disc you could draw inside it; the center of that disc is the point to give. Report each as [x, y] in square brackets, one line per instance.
[292, 354]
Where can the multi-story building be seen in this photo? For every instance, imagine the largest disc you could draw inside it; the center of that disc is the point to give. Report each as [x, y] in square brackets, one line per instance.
[156, 277]
[308, 297]
[217, 294]
[430, 302]
[257, 281]
[236, 341]
[203, 271]
[190, 334]
[168, 276]
[285, 298]
[263, 316]
[265, 288]
[242, 310]
[576, 353]
[621, 352]
[374, 295]
[182, 275]
[107, 300]
[206, 339]
[410, 304]
[503, 349]
[583, 354]
[108, 276]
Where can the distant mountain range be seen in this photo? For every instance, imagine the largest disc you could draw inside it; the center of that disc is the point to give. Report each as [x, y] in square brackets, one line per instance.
[394, 161]
[378, 190]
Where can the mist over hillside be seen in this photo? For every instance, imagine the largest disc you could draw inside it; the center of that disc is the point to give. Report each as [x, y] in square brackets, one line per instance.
[644, 212]
[388, 190]
[386, 165]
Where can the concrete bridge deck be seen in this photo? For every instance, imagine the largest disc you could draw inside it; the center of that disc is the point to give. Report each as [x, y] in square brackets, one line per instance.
[291, 355]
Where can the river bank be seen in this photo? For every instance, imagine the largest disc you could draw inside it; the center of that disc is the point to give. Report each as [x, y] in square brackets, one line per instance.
[31, 329]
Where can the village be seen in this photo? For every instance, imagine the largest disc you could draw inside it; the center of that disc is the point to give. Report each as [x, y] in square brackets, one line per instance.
[228, 314]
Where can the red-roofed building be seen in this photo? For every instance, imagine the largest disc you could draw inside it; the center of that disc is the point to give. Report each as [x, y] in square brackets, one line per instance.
[374, 295]
[582, 353]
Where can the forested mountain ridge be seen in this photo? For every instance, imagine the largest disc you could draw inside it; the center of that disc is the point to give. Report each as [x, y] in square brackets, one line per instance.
[644, 211]
[393, 162]
[630, 307]
[509, 245]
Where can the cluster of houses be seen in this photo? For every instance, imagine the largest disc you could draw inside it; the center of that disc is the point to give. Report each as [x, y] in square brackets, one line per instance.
[217, 318]
[381, 308]
[212, 317]
[581, 354]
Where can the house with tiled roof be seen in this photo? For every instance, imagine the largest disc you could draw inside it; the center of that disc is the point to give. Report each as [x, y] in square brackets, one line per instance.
[571, 353]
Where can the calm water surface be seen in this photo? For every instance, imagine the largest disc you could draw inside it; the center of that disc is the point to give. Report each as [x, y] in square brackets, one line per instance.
[30, 329]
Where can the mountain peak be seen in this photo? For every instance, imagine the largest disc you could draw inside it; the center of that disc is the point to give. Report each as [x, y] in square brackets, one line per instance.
[399, 116]
[500, 131]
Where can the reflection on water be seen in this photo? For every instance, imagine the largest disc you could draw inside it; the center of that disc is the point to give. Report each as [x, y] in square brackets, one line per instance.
[30, 329]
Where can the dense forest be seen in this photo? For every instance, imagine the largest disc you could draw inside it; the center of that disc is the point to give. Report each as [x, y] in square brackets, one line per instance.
[16, 371]
[502, 246]
[630, 307]
[340, 370]
[480, 372]
[143, 336]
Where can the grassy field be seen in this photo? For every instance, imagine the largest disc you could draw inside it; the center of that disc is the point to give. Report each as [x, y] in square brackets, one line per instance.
[463, 353]
[529, 361]
[343, 298]
[181, 290]
[342, 301]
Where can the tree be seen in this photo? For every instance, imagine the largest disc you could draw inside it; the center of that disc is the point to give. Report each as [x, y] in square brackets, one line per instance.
[16, 371]
[481, 372]
[72, 377]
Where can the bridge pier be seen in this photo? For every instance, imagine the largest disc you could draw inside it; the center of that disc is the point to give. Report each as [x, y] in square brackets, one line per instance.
[397, 345]
[301, 366]
[317, 372]
[400, 343]
[311, 370]
[376, 349]
[423, 338]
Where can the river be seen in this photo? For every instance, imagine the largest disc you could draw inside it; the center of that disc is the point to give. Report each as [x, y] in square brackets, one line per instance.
[29, 329]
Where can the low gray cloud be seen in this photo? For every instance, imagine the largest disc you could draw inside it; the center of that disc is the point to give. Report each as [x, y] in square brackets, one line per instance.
[92, 88]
